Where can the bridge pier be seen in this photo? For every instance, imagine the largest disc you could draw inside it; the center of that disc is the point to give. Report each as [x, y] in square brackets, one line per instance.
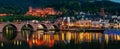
[19, 36]
[2, 39]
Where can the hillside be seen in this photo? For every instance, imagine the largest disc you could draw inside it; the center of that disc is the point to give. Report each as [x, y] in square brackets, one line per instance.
[21, 6]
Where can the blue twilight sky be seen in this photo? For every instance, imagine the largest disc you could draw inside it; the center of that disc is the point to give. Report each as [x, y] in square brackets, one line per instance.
[116, 1]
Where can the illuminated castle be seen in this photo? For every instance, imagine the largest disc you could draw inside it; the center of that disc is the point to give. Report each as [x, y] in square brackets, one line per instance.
[42, 12]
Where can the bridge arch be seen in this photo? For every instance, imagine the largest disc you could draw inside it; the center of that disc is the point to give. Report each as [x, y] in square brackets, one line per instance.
[9, 31]
[42, 27]
[27, 26]
[54, 27]
[27, 30]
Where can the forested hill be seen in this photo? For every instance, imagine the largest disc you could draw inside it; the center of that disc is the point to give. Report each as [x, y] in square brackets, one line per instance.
[21, 6]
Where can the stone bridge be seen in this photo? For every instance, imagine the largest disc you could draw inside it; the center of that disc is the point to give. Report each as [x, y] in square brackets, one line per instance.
[19, 25]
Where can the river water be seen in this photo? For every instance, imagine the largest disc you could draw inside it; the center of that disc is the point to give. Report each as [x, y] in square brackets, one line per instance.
[109, 39]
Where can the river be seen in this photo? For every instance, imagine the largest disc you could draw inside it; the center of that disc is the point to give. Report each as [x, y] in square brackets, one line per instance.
[65, 40]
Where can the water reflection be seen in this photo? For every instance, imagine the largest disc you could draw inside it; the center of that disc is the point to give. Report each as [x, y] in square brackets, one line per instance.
[27, 31]
[9, 32]
[50, 38]
[65, 39]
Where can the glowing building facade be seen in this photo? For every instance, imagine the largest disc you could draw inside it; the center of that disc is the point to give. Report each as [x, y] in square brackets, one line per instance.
[42, 12]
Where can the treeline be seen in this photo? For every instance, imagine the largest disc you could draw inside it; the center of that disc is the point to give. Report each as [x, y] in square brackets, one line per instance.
[92, 7]
[19, 18]
[66, 6]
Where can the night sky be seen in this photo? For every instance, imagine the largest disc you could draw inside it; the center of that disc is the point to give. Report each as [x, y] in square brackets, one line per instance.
[116, 1]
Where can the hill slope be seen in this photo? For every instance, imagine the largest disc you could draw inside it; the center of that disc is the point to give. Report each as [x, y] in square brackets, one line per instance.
[21, 6]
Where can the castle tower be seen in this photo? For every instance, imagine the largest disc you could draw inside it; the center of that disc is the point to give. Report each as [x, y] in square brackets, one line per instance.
[30, 9]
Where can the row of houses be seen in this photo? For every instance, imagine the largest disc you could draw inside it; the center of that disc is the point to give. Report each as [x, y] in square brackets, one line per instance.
[91, 24]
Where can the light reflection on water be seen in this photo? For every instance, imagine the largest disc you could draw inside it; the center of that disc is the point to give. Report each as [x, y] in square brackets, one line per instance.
[50, 38]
